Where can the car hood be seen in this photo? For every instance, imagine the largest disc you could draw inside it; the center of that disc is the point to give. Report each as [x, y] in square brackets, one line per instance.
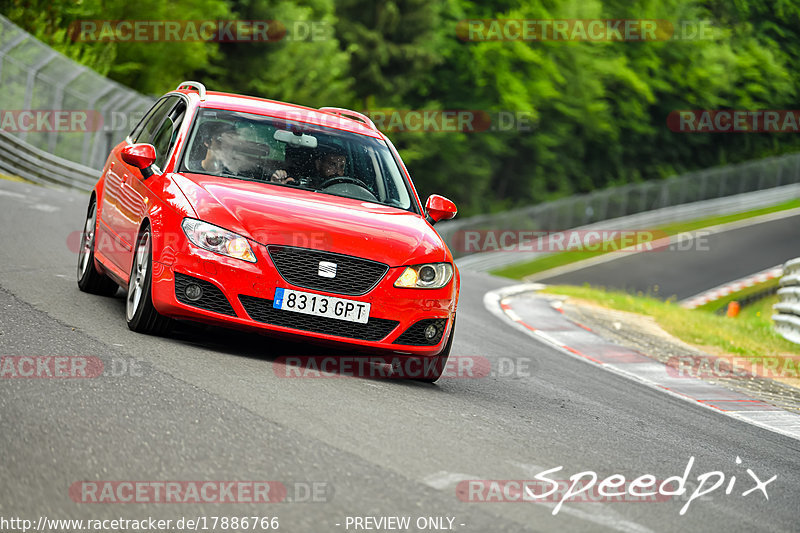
[273, 214]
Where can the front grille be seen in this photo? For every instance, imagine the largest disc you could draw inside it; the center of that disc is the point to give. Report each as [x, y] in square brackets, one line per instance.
[300, 267]
[261, 310]
[415, 335]
[211, 300]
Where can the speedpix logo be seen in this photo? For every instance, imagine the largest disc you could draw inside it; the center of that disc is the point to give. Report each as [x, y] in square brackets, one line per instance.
[588, 487]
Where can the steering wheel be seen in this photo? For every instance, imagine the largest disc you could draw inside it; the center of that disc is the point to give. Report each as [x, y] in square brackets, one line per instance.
[344, 179]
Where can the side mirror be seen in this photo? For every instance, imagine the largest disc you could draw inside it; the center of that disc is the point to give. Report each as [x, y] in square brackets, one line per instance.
[440, 208]
[141, 156]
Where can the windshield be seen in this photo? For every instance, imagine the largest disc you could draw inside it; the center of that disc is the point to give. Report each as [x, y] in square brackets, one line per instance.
[295, 154]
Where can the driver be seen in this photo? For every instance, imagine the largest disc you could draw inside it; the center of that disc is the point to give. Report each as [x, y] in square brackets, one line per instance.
[329, 165]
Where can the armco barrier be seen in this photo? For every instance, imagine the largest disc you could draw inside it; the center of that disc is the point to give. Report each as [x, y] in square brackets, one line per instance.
[713, 191]
[21, 159]
[654, 218]
[787, 317]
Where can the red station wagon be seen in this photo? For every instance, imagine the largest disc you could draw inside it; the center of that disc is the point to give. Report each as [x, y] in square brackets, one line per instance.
[250, 213]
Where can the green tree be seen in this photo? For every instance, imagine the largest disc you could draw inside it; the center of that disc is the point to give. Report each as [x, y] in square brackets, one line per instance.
[393, 47]
[599, 109]
[152, 66]
[305, 66]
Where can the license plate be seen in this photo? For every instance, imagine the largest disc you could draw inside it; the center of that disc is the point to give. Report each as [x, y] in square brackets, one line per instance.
[318, 305]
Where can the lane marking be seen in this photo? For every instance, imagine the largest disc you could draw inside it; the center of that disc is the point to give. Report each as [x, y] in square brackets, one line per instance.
[443, 479]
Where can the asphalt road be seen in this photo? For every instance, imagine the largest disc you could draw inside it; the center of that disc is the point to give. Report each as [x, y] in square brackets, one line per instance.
[707, 261]
[205, 404]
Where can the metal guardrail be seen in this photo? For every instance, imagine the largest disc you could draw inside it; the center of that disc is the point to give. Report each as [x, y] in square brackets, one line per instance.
[34, 77]
[21, 159]
[617, 203]
[787, 318]
[487, 261]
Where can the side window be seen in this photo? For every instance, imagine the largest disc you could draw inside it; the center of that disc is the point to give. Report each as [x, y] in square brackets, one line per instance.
[153, 122]
[167, 133]
[137, 131]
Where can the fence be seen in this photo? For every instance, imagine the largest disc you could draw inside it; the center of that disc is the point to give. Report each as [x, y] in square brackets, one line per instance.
[787, 317]
[720, 190]
[616, 202]
[33, 76]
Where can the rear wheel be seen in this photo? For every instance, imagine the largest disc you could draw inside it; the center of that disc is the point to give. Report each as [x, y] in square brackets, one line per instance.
[89, 278]
[434, 370]
[140, 313]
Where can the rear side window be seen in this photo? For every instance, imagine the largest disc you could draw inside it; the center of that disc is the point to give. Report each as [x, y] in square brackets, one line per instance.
[153, 122]
[137, 131]
[167, 133]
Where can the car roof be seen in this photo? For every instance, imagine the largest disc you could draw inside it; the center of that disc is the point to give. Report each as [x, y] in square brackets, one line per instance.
[273, 108]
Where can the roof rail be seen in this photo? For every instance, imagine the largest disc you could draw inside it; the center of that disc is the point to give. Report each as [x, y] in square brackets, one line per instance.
[201, 89]
[349, 113]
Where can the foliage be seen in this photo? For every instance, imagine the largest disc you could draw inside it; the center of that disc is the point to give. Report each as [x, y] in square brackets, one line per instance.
[598, 109]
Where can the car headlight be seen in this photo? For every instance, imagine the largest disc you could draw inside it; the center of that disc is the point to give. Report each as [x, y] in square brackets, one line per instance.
[217, 240]
[427, 276]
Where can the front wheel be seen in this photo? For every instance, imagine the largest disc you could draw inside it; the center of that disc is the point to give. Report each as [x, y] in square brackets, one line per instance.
[435, 370]
[140, 313]
[89, 278]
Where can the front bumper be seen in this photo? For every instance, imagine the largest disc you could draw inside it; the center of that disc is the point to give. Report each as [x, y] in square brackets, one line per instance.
[242, 295]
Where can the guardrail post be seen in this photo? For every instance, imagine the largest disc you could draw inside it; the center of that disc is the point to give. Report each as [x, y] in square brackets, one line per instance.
[58, 100]
[32, 73]
[117, 101]
[90, 105]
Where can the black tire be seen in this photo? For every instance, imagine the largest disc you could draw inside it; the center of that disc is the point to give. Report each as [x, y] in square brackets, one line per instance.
[140, 313]
[89, 278]
[434, 372]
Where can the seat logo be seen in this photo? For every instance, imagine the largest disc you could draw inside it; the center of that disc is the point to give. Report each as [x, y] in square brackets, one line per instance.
[327, 269]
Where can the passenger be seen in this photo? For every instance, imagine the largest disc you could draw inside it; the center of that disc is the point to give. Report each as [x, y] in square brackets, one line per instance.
[220, 140]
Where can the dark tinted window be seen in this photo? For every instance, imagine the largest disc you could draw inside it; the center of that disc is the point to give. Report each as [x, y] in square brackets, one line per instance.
[137, 131]
[153, 122]
[167, 133]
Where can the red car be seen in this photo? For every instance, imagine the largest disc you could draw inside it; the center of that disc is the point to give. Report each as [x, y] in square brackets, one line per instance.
[256, 214]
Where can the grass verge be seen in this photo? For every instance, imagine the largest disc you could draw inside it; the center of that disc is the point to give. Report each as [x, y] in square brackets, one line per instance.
[521, 270]
[749, 335]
